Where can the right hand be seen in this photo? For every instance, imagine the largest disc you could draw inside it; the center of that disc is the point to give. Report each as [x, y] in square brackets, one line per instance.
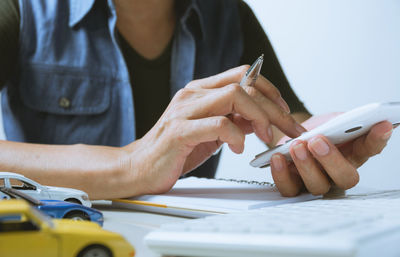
[200, 117]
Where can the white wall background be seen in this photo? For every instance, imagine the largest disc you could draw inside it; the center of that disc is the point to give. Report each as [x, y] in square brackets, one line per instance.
[337, 55]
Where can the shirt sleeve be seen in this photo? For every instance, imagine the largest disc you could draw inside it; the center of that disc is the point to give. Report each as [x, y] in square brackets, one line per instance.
[256, 43]
[9, 33]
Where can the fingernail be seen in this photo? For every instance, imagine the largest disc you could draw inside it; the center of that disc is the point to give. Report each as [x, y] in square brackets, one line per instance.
[269, 133]
[320, 146]
[300, 151]
[277, 162]
[282, 103]
[387, 135]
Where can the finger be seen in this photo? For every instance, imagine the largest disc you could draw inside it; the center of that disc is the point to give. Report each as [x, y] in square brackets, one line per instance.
[234, 76]
[371, 144]
[288, 182]
[199, 154]
[339, 169]
[213, 129]
[281, 119]
[220, 80]
[232, 99]
[270, 91]
[313, 177]
[243, 124]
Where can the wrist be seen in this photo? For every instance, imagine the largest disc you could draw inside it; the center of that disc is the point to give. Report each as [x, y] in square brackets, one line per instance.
[130, 170]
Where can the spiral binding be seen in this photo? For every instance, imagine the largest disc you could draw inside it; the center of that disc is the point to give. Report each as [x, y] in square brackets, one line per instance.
[243, 181]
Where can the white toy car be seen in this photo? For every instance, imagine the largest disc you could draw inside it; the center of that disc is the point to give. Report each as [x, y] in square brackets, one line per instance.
[34, 189]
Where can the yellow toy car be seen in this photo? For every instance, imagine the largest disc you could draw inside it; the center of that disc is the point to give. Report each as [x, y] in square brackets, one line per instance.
[24, 231]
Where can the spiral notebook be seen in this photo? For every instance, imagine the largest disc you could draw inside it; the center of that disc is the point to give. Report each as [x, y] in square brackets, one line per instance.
[199, 197]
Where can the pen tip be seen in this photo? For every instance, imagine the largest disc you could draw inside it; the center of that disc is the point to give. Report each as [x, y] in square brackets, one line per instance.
[262, 56]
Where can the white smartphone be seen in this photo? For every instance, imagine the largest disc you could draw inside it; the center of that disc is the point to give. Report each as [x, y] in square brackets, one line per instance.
[341, 129]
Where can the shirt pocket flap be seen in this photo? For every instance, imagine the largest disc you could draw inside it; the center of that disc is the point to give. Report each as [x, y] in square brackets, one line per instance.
[65, 91]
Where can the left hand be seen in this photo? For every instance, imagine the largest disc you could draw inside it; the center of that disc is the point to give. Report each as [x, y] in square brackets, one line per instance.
[317, 164]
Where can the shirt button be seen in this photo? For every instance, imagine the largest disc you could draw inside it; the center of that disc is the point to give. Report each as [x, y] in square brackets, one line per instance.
[64, 102]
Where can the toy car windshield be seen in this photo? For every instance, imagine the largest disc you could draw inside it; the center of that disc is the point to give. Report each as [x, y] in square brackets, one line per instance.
[18, 195]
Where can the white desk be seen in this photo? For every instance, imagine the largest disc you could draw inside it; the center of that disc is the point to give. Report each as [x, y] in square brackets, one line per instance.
[133, 225]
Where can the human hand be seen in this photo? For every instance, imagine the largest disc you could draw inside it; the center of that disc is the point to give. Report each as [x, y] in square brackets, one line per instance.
[318, 164]
[202, 116]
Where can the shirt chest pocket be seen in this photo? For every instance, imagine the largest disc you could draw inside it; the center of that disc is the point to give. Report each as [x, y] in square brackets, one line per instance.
[65, 91]
[66, 106]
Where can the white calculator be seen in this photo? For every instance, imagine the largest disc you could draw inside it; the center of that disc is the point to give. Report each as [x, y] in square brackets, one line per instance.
[341, 129]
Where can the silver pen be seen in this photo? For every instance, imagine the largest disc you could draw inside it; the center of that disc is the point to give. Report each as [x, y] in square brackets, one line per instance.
[249, 79]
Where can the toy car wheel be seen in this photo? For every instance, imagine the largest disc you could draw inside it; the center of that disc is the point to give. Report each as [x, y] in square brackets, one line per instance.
[95, 251]
[77, 216]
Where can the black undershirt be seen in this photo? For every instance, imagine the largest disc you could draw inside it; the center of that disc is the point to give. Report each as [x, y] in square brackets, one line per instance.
[150, 79]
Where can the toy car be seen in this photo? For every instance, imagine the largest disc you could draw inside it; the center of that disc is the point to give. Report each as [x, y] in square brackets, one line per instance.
[24, 231]
[55, 208]
[35, 190]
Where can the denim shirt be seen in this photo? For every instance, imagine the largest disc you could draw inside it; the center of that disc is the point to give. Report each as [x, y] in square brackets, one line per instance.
[72, 84]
